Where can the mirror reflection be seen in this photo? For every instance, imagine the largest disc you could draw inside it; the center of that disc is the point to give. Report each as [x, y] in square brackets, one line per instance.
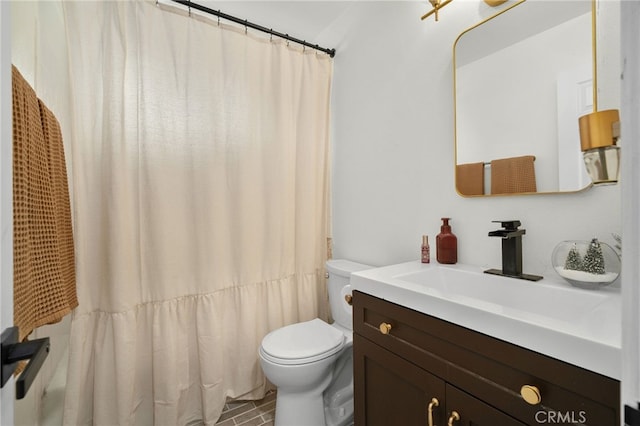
[522, 78]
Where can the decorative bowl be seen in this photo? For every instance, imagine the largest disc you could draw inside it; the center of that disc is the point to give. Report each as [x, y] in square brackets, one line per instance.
[586, 264]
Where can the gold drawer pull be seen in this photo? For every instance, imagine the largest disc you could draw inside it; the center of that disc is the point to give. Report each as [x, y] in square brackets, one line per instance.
[348, 298]
[531, 394]
[385, 328]
[434, 403]
[453, 418]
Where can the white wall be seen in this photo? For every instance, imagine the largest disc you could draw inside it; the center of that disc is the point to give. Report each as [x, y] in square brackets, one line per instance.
[7, 393]
[393, 150]
[630, 203]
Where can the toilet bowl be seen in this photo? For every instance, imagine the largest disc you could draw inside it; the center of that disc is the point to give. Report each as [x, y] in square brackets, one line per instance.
[310, 362]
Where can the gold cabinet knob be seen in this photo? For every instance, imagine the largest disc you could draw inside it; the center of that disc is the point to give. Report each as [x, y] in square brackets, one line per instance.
[348, 298]
[453, 418]
[531, 394]
[385, 328]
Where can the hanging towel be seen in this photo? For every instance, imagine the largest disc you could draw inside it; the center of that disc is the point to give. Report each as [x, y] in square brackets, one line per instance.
[43, 255]
[513, 175]
[470, 178]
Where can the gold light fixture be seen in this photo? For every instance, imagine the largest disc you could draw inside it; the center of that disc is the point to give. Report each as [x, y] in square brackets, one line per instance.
[600, 130]
[494, 3]
[437, 5]
[599, 133]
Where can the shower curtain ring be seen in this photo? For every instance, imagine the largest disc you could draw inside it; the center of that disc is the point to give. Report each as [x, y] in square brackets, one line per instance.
[245, 26]
[218, 17]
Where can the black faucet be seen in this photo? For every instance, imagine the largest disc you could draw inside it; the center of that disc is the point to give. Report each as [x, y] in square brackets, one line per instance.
[511, 250]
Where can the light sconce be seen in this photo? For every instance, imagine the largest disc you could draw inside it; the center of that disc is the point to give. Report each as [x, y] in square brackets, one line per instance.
[438, 4]
[600, 130]
[494, 3]
[599, 133]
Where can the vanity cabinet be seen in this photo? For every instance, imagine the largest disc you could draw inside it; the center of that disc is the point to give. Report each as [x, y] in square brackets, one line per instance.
[404, 359]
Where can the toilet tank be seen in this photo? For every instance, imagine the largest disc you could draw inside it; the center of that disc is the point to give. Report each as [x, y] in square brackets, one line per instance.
[339, 273]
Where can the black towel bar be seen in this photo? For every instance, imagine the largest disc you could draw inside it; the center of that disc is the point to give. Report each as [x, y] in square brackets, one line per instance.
[35, 351]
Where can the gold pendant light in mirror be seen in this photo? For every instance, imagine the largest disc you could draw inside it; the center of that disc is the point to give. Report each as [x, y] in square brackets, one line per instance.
[599, 132]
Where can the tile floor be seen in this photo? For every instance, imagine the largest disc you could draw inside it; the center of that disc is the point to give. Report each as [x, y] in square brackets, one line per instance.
[249, 413]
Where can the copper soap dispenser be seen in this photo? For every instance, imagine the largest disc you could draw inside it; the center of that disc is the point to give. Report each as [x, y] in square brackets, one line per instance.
[446, 244]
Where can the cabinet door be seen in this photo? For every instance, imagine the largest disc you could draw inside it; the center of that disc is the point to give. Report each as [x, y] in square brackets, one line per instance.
[390, 391]
[473, 412]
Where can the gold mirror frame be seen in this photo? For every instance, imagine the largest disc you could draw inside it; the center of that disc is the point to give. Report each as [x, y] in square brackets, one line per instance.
[594, 77]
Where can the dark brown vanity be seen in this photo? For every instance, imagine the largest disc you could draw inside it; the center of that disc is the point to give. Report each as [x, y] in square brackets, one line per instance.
[414, 369]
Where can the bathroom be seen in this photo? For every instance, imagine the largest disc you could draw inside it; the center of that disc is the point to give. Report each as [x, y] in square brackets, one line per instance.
[392, 140]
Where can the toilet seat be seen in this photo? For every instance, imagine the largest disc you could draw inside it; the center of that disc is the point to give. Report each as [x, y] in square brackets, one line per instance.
[302, 343]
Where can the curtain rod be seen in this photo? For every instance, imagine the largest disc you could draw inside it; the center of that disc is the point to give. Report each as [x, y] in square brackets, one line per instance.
[190, 4]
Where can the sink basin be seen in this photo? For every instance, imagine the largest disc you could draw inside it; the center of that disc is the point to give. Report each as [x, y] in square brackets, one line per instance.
[578, 326]
[501, 294]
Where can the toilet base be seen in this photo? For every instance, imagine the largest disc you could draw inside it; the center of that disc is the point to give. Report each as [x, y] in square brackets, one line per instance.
[338, 398]
[300, 408]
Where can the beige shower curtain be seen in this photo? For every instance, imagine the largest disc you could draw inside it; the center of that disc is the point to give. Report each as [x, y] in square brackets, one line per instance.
[201, 209]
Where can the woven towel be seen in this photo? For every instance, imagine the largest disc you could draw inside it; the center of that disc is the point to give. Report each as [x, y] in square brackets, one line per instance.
[43, 255]
[470, 178]
[513, 175]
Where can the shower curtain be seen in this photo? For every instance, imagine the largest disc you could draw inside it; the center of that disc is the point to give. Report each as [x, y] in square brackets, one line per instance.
[200, 175]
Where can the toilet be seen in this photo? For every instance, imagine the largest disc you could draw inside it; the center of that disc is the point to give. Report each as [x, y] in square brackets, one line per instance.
[311, 362]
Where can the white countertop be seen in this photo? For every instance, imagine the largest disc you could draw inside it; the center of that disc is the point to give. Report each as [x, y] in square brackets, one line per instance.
[581, 327]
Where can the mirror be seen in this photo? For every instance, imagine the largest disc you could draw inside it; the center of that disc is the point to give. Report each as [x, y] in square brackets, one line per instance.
[521, 80]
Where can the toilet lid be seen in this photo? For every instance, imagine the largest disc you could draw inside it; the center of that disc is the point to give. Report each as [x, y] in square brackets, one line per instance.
[302, 340]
